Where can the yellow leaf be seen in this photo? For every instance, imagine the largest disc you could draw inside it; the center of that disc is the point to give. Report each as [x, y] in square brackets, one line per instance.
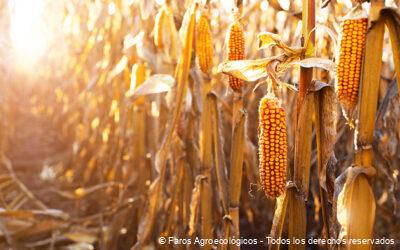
[268, 39]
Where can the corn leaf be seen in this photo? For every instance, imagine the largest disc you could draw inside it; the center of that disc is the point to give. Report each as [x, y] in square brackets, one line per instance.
[268, 39]
[155, 84]
[248, 70]
[315, 62]
[391, 18]
[182, 74]
[355, 205]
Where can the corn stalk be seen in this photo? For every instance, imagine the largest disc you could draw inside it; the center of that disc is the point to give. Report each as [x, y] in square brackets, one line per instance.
[356, 202]
[237, 154]
[235, 180]
[155, 192]
[207, 164]
[303, 139]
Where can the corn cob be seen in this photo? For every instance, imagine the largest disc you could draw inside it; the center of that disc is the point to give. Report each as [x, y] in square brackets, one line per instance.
[350, 59]
[137, 78]
[161, 18]
[204, 48]
[236, 52]
[272, 147]
[127, 77]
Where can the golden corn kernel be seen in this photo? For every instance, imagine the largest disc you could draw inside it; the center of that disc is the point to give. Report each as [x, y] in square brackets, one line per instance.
[272, 145]
[350, 59]
[204, 48]
[236, 51]
[161, 18]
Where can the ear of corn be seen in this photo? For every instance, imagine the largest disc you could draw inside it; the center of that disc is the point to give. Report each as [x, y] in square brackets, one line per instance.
[350, 59]
[204, 48]
[137, 78]
[236, 48]
[161, 18]
[272, 147]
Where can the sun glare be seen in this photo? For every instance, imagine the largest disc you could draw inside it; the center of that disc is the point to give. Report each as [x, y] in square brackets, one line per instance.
[27, 30]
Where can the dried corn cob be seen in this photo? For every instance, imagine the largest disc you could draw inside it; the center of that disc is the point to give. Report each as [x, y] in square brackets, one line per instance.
[161, 19]
[139, 73]
[350, 59]
[204, 48]
[137, 78]
[236, 51]
[272, 146]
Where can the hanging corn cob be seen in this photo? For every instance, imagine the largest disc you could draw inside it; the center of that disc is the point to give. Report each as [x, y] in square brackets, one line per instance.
[272, 146]
[236, 49]
[160, 22]
[204, 48]
[353, 35]
[165, 34]
[138, 76]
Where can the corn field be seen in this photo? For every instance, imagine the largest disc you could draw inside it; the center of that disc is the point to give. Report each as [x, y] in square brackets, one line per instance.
[199, 124]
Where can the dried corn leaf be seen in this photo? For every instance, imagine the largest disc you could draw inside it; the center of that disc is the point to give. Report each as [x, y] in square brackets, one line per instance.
[82, 236]
[82, 192]
[194, 206]
[79, 246]
[155, 84]
[391, 17]
[22, 224]
[355, 204]
[267, 39]
[118, 68]
[315, 62]
[248, 70]
[356, 13]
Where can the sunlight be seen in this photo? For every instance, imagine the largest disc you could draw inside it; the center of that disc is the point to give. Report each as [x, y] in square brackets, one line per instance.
[27, 30]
